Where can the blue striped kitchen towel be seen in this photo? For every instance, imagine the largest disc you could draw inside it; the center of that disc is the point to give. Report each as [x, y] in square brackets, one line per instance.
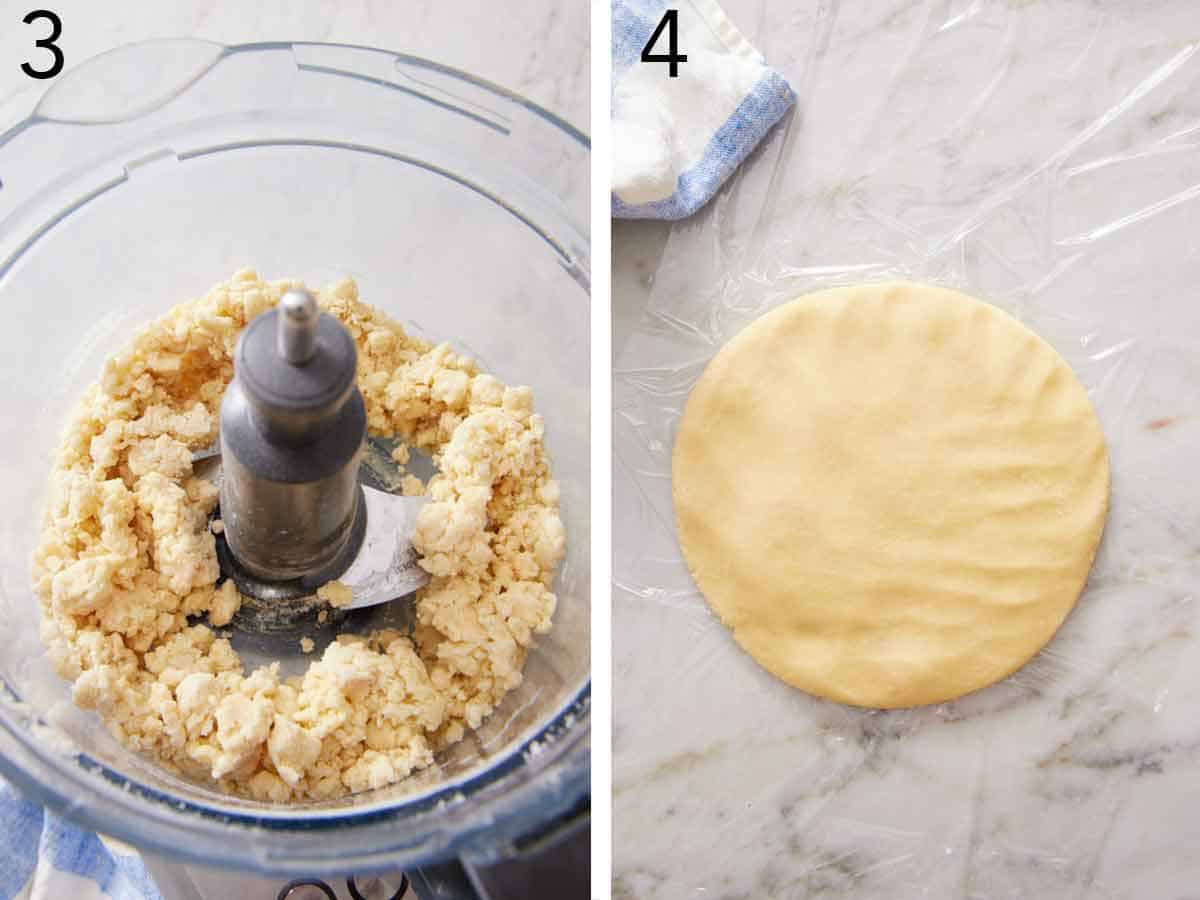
[676, 139]
[42, 857]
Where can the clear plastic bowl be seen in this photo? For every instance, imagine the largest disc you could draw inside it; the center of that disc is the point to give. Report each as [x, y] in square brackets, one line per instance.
[154, 171]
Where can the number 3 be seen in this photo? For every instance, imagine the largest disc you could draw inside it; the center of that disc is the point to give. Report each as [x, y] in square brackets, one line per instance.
[46, 43]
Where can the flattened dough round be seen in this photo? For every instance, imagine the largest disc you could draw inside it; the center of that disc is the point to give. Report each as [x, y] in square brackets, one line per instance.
[892, 494]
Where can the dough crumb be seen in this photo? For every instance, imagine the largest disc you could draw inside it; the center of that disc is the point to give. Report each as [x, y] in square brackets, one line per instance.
[225, 604]
[336, 594]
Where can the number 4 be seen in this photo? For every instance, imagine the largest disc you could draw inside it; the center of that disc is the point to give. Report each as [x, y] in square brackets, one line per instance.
[670, 21]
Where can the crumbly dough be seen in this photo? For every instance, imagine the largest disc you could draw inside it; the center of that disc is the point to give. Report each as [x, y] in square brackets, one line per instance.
[892, 494]
[336, 594]
[126, 568]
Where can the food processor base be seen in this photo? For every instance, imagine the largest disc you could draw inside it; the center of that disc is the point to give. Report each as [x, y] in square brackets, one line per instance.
[554, 863]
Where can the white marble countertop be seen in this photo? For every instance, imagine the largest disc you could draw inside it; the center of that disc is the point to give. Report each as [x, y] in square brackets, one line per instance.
[1041, 155]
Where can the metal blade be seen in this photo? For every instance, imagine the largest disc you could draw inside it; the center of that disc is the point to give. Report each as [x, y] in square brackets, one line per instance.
[386, 566]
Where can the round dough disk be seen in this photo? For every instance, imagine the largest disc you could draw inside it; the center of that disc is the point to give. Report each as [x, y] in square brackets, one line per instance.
[892, 494]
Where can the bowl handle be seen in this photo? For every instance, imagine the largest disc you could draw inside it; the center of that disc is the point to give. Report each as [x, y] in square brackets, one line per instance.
[129, 81]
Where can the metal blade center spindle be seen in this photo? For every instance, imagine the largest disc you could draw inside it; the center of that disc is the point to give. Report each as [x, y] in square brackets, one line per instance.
[293, 427]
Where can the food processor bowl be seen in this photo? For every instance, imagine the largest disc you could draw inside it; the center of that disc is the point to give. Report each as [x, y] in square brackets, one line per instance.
[152, 172]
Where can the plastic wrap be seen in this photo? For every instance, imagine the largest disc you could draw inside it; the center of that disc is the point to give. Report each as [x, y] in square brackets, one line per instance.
[1042, 157]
